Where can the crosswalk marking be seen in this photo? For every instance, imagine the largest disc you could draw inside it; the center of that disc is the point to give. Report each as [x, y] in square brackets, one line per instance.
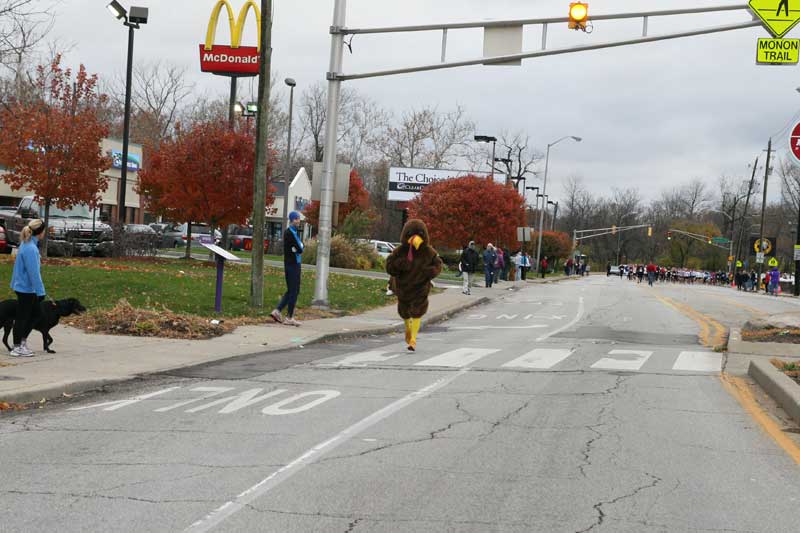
[698, 362]
[541, 358]
[458, 358]
[628, 360]
[361, 359]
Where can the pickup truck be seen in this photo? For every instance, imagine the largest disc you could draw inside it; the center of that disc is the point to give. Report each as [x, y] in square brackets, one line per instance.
[74, 231]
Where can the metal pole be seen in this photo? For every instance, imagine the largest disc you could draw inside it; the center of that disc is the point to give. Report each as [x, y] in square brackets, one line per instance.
[555, 215]
[126, 129]
[232, 101]
[731, 264]
[288, 163]
[329, 157]
[541, 213]
[260, 173]
[744, 215]
[797, 263]
[763, 212]
[494, 145]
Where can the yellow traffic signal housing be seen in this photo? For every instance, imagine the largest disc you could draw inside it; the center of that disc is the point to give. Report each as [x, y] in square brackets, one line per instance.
[578, 15]
[649, 231]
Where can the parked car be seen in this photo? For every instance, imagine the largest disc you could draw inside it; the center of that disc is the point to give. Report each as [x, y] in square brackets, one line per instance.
[72, 231]
[238, 237]
[159, 227]
[615, 270]
[140, 239]
[175, 235]
[383, 248]
[4, 247]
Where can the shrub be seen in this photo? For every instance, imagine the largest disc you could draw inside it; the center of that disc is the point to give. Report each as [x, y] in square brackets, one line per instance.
[345, 254]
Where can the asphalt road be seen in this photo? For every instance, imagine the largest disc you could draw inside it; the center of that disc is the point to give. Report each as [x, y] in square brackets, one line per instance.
[588, 405]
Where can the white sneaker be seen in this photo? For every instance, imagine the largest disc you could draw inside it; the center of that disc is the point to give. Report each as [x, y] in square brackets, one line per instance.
[21, 351]
[276, 316]
[292, 322]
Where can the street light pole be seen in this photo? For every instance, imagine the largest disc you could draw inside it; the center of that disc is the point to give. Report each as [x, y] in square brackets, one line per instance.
[329, 156]
[763, 213]
[291, 83]
[544, 191]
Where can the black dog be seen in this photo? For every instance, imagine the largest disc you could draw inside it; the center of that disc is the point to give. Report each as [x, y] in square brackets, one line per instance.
[49, 315]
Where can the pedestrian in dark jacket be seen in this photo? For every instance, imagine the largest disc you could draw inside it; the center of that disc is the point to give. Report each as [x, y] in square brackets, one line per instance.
[489, 258]
[292, 259]
[543, 266]
[468, 265]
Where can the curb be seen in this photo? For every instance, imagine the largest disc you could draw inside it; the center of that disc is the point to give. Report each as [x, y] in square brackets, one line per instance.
[52, 392]
[779, 386]
[773, 349]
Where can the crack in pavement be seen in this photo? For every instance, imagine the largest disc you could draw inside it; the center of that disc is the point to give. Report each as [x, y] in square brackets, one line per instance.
[594, 428]
[352, 525]
[601, 515]
[79, 495]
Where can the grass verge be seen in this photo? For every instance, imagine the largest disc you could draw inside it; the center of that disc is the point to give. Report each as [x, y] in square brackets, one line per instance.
[188, 287]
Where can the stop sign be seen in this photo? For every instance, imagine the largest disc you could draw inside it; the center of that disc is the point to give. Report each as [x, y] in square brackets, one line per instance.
[794, 142]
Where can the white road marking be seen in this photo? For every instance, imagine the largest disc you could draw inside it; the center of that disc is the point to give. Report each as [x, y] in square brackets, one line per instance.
[533, 326]
[118, 404]
[279, 409]
[632, 360]
[567, 325]
[225, 511]
[240, 401]
[458, 358]
[507, 317]
[213, 391]
[361, 359]
[541, 358]
[698, 362]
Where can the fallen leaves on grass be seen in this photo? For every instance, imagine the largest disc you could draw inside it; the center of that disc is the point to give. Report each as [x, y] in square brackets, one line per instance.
[790, 335]
[124, 319]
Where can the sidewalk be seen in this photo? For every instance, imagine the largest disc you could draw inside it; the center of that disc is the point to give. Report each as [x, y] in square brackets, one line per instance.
[86, 361]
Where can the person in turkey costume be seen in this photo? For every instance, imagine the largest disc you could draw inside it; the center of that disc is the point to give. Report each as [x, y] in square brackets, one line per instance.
[413, 265]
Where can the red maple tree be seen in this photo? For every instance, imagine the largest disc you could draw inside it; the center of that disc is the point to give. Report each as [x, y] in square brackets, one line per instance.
[203, 174]
[469, 208]
[357, 199]
[50, 140]
[555, 245]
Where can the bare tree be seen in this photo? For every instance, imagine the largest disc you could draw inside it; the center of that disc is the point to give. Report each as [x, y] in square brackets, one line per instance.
[313, 113]
[519, 155]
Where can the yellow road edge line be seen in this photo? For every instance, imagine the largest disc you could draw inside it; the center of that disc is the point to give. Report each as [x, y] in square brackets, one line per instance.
[737, 387]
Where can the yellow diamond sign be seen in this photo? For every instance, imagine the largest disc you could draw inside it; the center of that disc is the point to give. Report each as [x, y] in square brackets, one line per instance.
[778, 16]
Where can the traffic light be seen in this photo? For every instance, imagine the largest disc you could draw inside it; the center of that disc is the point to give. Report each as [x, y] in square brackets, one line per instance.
[709, 240]
[613, 230]
[669, 235]
[578, 15]
[649, 231]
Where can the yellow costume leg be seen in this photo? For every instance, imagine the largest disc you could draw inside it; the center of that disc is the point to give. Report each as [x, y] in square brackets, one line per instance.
[415, 325]
[407, 322]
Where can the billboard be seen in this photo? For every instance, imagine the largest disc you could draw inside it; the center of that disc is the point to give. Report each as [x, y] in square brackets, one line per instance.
[233, 60]
[133, 161]
[407, 183]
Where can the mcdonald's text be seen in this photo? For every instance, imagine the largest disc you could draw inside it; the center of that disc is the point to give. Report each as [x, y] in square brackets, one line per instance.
[222, 59]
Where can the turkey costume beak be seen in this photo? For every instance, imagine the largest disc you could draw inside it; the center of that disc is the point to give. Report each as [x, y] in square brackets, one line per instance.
[415, 241]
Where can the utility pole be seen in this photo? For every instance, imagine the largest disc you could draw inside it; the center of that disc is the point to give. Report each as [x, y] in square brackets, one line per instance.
[744, 215]
[763, 212]
[260, 177]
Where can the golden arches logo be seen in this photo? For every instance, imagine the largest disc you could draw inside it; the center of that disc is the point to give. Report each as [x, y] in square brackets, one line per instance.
[236, 24]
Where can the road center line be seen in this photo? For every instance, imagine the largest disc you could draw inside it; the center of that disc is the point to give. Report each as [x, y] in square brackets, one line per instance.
[567, 325]
[225, 511]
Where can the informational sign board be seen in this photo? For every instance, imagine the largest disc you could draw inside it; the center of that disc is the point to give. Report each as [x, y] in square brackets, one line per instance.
[797, 252]
[760, 258]
[777, 16]
[773, 261]
[406, 183]
[225, 254]
[341, 185]
[234, 59]
[133, 161]
[739, 264]
[794, 142]
[524, 234]
[778, 51]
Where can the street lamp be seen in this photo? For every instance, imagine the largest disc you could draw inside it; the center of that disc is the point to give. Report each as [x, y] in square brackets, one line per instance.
[544, 190]
[555, 214]
[137, 16]
[291, 84]
[488, 139]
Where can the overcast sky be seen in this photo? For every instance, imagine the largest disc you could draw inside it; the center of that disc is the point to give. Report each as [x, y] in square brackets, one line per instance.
[651, 115]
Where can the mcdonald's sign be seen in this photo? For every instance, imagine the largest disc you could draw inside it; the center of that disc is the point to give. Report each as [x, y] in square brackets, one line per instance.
[233, 60]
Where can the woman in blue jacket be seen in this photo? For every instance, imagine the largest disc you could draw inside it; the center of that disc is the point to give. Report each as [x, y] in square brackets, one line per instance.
[292, 258]
[26, 281]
